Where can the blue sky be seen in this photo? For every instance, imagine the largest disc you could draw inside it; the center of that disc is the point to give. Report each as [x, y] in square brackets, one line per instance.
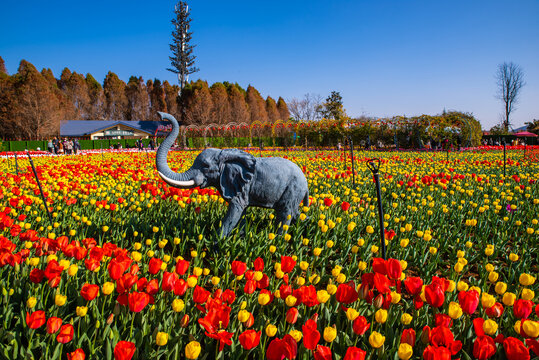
[386, 58]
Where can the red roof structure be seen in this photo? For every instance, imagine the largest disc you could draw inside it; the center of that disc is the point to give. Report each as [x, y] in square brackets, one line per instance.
[525, 134]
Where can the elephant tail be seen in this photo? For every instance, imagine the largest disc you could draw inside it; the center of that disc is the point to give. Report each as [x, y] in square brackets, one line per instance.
[306, 199]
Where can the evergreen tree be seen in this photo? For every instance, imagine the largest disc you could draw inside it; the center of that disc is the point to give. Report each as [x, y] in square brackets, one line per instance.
[333, 107]
[182, 60]
[115, 99]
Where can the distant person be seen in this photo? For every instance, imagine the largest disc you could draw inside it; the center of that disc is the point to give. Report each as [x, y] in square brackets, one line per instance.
[152, 144]
[50, 146]
[76, 146]
[55, 144]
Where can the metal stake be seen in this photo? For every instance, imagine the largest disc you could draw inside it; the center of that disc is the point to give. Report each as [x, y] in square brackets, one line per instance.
[40, 188]
[16, 165]
[374, 168]
[504, 157]
[352, 160]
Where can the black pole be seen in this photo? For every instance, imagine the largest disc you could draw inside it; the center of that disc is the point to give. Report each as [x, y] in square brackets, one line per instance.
[374, 169]
[16, 165]
[40, 188]
[352, 160]
[504, 157]
[344, 152]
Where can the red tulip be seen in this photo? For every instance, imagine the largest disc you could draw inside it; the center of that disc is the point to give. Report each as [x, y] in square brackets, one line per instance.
[76, 355]
[413, 285]
[169, 281]
[515, 349]
[36, 320]
[495, 311]
[522, 308]
[154, 265]
[152, 287]
[116, 269]
[533, 345]
[66, 334]
[436, 353]
[346, 293]
[484, 347]
[249, 339]
[124, 350]
[36, 275]
[408, 336]
[258, 264]
[354, 353]
[381, 283]
[468, 301]
[443, 320]
[360, 325]
[434, 295]
[182, 266]
[89, 291]
[311, 335]
[53, 270]
[200, 295]
[292, 315]
[228, 296]
[345, 206]
[394, 269]
[238, 267]
[53, 325]
[328, 202]
[224, 338]
[379, 266]
[180, 287]
[322, 353]
[287, 264]
[279, 349]
[138, 301]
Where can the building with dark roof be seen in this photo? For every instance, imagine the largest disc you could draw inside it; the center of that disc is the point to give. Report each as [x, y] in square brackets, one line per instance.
[113, 129]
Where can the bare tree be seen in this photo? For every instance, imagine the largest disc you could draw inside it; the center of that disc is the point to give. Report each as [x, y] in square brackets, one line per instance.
[306, 108]
[509, 79]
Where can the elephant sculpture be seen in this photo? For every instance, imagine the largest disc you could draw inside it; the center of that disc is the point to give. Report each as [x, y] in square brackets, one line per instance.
[241, 179]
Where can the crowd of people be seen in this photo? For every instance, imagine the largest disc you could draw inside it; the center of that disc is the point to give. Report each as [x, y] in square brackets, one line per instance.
[65, 146]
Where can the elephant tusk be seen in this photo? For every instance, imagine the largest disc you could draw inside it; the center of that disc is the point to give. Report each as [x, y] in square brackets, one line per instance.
[189, 183]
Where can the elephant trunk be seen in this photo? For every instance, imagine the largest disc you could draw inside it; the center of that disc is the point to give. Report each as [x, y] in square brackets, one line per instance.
[181, 180]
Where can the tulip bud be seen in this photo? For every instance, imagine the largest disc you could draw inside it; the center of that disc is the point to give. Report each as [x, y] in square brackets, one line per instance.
[292, 315]
[425, 335]
[184, 322]
[378, 301]
[110, 319]
[116, 310]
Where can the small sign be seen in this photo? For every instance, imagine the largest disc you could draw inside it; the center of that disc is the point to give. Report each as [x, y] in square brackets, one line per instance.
[164, 128]
[119, 133]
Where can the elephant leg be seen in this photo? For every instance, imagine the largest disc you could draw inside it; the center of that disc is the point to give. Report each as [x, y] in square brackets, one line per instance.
[231, 219]
[282, 217]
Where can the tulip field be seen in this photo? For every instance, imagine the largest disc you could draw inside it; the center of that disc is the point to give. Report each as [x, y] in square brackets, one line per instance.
[131, 268]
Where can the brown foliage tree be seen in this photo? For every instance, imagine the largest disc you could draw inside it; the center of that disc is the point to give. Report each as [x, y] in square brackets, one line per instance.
[157, 100]
[76, 90]
[138, 101]
[257, 105]
[115, 99]
[283, 109]
[36, 109]
[220, 113]
[198, 103]
[271, 110]
[171, 98]
[239, 110]
[96, 106]
[3, 69]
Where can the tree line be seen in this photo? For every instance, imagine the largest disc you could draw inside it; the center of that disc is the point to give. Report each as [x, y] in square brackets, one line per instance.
[33, 103]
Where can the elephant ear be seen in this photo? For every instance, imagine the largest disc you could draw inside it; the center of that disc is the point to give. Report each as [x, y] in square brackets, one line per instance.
[237, 169]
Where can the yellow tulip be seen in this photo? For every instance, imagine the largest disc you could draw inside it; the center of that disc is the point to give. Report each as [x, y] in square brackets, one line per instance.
[405, 351]
[490, 327]
[263, 299]
[376, 339]
[31, 302]
[381, 316]
[296, 334]
[509, 298]
[271, 330]
[178, 305]
[192, 350]
[352, 314]
[82, 311]
[455, 311]
[330, 333]
[161, 339]
[60, 300]
[406, 319]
